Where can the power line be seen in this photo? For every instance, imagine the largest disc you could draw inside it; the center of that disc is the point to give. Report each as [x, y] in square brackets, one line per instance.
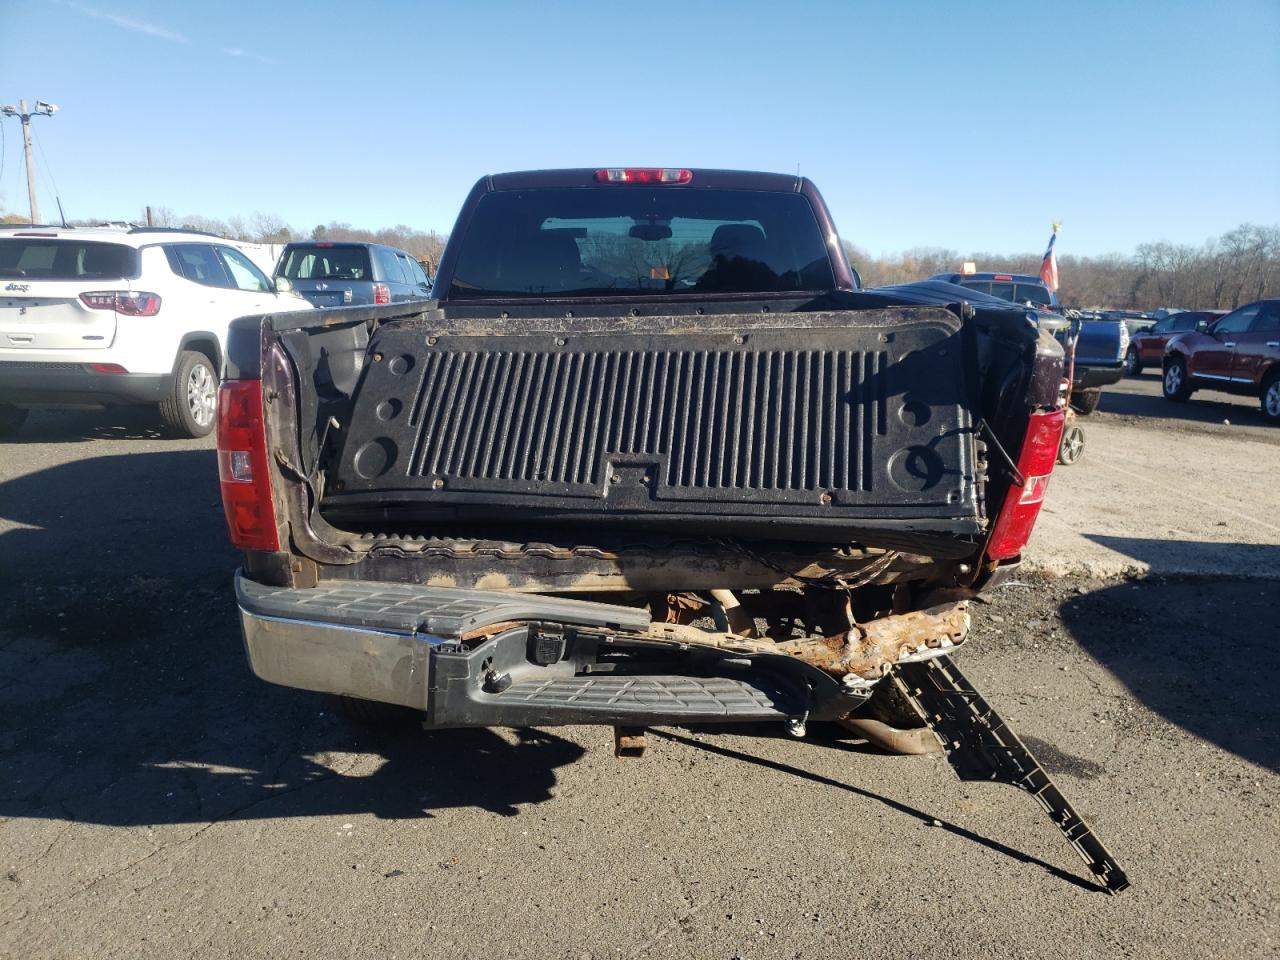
[42, 109]
[45, 160]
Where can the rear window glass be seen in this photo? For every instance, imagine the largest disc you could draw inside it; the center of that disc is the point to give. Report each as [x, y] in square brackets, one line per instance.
[614, 240]
[1016, 292]
[39, 259]
[326, 263]
[1032, 292]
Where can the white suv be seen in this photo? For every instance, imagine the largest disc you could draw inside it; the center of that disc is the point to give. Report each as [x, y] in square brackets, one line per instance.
[100, 317]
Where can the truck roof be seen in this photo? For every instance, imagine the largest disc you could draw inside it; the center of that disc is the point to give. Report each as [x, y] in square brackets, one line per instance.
[1006, 277]
[586, 177]
[135, 237]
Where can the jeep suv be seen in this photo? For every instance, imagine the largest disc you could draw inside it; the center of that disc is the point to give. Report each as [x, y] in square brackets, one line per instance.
[106, 317]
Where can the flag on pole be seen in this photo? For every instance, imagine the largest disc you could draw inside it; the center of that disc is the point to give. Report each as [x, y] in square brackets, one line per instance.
[1049, 266]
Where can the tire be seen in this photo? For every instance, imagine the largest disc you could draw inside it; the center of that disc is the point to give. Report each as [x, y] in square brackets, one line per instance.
[189, 410]
[1132, 362]
[371, 713]
[11, 419]
[1071, 449]
[1086, 401]
[1270, 399]
[1175, 383]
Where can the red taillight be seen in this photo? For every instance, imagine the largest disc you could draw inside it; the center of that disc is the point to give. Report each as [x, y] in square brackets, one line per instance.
[643, 175]
[242, 467]
[381, 293]
[1022, 505]
[123, 302]
[107, 368]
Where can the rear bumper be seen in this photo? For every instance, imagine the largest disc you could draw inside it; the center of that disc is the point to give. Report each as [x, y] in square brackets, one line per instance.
[1089, 376]
[27, 383]
[479, 658]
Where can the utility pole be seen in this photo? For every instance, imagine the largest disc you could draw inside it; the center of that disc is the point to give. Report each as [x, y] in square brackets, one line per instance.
[20, 111]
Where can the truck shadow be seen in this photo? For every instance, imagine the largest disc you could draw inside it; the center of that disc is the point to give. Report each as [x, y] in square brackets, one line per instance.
[1205, 407]
[135, 515]
[927, 819]
[129, 698]
[73, 426]
[131, 703]
[1197, 557]
[1197, 653]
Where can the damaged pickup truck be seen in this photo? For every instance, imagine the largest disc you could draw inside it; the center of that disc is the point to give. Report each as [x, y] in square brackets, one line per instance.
[649, 457]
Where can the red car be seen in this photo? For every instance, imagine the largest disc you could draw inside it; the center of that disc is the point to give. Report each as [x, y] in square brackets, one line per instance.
[1239, 353]
[1146, 347]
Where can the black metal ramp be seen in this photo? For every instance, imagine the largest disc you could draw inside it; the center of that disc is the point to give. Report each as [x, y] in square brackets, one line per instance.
[981, 746]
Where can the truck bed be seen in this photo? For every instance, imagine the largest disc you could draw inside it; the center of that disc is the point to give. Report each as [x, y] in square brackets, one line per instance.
[796, 424]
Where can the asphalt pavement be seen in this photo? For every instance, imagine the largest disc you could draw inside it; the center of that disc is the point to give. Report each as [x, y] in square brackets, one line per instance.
[156, 800]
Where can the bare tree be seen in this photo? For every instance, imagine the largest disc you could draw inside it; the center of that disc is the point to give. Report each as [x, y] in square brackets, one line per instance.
[1240, 266]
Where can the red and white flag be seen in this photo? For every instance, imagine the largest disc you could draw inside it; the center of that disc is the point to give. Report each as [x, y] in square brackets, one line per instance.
[1049, 265]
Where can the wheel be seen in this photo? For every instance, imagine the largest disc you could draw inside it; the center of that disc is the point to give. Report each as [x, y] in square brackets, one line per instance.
[11, 419]
[371, 713]
[1132, 363]
[188, 411]
[1271, 397]
[1177, 385]
[1086, 401]
[1071, 448]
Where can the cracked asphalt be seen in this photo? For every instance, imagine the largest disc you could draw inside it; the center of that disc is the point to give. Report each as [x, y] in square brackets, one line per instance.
[158, 801]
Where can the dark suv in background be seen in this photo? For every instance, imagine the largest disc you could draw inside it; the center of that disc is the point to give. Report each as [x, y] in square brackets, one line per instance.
[340, 273]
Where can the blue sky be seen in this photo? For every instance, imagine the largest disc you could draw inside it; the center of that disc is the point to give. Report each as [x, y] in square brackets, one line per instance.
[969, 126]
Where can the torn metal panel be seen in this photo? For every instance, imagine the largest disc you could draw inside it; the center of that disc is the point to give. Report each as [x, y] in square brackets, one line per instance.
[868, 651]
[871, 649]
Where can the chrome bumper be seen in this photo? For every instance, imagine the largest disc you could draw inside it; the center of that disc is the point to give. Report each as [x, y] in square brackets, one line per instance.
[375, 640]
[467, 658]
[336, 658]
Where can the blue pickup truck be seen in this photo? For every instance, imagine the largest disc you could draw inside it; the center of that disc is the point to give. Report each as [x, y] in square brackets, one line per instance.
[1099, 351]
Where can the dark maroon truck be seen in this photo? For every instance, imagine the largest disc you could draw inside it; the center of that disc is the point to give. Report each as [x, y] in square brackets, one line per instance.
[649, 457]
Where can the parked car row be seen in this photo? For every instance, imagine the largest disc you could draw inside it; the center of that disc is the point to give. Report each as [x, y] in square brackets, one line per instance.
[107, 317]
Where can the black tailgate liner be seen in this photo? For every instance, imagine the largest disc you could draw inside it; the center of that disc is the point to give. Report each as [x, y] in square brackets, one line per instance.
[807, 420]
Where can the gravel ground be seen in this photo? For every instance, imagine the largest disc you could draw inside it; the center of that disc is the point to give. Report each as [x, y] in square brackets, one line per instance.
[1165, 488]
[158, 801]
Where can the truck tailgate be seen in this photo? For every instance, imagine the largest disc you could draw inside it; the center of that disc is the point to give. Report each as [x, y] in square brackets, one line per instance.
[805, 420]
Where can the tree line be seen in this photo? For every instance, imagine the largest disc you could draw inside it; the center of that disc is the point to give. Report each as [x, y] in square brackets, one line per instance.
[1222, 273]
[267, 228]
[1240, 266]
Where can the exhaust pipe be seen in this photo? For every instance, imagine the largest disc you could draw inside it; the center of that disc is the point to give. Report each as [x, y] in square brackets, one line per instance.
[909, 742]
